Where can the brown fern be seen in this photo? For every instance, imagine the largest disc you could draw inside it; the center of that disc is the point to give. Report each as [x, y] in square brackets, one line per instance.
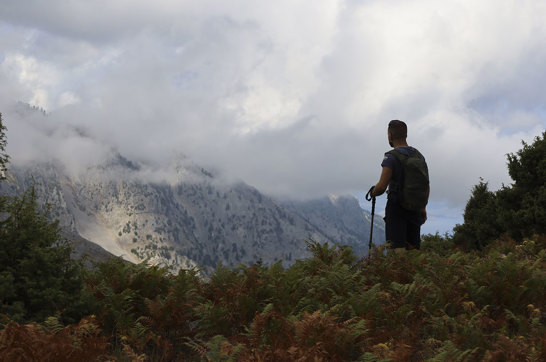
[73, 343]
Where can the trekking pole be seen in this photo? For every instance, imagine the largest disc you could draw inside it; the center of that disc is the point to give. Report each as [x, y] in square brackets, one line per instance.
[371, 198]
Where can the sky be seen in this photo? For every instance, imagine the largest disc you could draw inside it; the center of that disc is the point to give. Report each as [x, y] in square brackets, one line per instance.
[291, 96]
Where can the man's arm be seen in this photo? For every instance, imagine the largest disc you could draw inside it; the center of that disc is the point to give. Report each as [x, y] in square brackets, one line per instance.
[384, 180]
[424, 209]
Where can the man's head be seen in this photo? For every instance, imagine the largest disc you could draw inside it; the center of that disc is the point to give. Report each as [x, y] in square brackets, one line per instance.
[397, 131]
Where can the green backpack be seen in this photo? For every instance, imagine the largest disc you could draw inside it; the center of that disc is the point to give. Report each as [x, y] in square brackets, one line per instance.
[414, 190]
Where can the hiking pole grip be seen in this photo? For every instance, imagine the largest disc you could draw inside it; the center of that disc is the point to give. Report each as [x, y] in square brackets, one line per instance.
[371, 227]
[371, 198]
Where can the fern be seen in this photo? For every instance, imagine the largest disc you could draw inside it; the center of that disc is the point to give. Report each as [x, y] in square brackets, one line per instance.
[33, 342]
[425, 305]
[449, 352]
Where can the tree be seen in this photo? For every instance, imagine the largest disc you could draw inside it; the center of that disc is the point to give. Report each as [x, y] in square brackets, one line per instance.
[3, 156]
[480, 219]
[37, 276]
[523, 205]
[518, 209]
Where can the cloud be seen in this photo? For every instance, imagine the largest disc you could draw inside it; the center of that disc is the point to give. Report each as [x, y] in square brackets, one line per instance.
[292, 97]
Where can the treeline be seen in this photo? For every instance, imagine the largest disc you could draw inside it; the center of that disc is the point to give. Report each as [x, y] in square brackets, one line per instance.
[477, 295]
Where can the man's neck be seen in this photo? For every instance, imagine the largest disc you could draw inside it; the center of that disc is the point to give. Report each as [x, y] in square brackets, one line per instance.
[399, 143]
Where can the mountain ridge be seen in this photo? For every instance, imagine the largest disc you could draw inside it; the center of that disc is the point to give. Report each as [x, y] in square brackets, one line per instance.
[193, 221]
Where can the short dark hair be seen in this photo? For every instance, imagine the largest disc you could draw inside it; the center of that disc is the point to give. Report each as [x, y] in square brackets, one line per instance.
[398, 129]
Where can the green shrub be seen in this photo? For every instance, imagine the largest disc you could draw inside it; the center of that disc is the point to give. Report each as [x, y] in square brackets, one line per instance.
[480, 225]
[518, 210]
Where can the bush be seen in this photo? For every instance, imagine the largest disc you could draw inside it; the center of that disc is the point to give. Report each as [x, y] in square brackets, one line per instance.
[443, 245]
[50, 341]
[518, 210]
[436, 303]
[480, 225]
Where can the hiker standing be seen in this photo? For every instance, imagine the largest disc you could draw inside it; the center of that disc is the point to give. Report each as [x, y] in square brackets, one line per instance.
[405, 173]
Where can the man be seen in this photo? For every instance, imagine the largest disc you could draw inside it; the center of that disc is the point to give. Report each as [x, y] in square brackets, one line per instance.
[406, 174]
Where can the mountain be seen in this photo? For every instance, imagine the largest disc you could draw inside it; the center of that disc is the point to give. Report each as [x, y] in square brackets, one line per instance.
[342, 220]
[194, 219]
[87, 250]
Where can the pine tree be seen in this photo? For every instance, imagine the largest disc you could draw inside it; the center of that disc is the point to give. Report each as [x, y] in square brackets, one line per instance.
[480, 225]
[37, 275]
[518, 209]
[523, 205]
[3, 156]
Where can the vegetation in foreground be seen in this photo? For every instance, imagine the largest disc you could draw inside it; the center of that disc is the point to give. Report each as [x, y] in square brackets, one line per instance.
[436, 304]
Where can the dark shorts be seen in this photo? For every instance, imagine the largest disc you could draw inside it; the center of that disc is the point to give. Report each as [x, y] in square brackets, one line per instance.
[402, 227]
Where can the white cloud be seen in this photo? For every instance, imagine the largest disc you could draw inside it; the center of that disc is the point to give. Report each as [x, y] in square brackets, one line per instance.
[67, 98]
[33, 76]
[292, 96]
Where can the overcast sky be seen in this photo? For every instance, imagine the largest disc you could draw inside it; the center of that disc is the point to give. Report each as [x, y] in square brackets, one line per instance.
[292, 97]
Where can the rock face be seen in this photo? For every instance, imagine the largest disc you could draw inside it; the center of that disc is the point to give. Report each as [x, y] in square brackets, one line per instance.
[342, 219]
[193, 220]
[86, 250]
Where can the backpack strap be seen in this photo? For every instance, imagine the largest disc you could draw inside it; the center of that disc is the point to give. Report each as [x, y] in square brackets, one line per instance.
[395, 187]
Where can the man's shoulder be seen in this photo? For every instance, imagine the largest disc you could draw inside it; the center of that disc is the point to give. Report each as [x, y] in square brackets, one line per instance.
[406, 151]
[389, 160]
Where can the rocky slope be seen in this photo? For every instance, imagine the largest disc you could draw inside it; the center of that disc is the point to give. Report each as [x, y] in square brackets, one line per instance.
[342, 220]
[193, 220]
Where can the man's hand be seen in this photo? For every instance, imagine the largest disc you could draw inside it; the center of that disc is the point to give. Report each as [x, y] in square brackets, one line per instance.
[370, 195]
[424, 215]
